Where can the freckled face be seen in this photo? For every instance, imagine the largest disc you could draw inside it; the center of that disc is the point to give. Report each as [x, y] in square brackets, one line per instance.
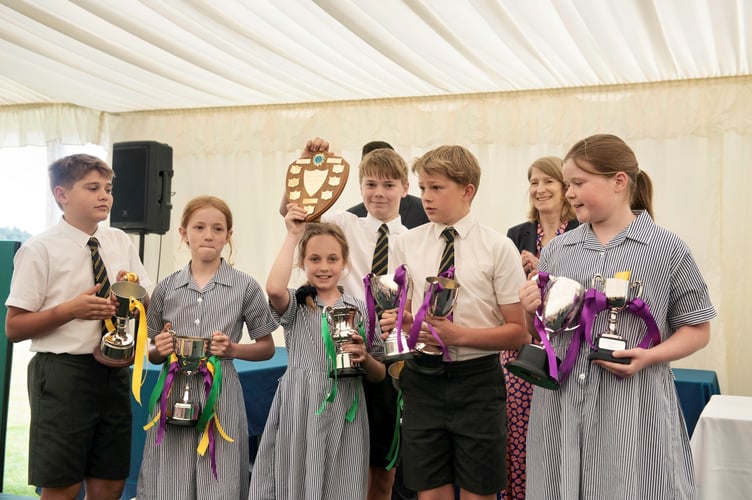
[206, 234]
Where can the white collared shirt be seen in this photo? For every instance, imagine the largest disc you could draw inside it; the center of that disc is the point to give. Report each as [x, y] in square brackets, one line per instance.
[362, 233]
[55, 266]
[487, 267]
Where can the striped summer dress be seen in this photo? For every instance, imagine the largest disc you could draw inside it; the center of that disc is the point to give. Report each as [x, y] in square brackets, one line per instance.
[597, 436]
[304, 456]
[173, 469]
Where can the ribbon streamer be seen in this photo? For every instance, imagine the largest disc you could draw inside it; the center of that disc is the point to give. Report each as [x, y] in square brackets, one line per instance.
[139, 365]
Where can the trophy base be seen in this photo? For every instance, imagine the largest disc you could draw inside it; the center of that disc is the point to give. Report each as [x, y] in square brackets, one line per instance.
[394, 371]
[184, 414]
[114, 356]
[392, 348]
[606, 355]
[531, 365]
[353, 371]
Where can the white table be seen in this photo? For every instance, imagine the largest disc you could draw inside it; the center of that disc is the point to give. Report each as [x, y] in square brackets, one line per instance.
[722, 449]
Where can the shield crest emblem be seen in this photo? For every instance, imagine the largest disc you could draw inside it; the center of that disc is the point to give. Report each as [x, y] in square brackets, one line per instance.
[316, 182]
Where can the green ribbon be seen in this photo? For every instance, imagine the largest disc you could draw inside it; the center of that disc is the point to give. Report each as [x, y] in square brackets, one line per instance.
[331, 362]
[211, 398]
[393, 453]
[159, 386]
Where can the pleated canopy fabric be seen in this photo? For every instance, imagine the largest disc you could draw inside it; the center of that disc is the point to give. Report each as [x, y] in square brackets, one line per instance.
[131, 55]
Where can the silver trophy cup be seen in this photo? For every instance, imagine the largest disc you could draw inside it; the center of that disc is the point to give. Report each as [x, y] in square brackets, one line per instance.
[443, 297]
[617, 298]
[386, 294]
[343, 323]
[117, 348]
[191, 353]
[562, 302]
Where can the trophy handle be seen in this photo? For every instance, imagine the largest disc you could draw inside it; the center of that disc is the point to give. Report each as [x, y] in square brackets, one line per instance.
[638, 286]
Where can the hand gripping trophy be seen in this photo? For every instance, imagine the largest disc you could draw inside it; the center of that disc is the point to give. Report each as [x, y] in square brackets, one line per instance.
[341, 323]
[390, 291]
[616, 290]
[562, 300]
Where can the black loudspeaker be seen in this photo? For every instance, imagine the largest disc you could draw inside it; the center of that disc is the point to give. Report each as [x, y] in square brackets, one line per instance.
[142, 187]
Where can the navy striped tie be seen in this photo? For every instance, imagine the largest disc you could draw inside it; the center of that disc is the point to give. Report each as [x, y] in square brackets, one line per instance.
[100, 272]
[380, 263]
[447, 257]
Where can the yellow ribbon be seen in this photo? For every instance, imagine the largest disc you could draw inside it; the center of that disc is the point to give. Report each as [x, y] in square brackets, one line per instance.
[139, 372]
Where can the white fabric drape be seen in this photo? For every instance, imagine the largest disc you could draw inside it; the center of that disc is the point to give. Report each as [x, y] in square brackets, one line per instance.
[694, 138]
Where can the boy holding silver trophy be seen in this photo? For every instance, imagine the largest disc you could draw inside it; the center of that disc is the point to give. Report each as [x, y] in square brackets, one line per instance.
[80, 408]
[614, 428]
[454, 427]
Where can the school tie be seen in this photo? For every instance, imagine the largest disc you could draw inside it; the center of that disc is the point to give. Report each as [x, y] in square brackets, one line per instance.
[447, 257]
[100, 273]
[380, 263]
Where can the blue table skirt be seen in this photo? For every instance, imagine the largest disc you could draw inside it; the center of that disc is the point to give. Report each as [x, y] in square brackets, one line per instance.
[694, 387]
[259, 381]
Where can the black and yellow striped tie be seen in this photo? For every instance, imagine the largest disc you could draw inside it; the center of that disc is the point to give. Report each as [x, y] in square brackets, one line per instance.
[447, 257]
[100, 272]
[380, 263]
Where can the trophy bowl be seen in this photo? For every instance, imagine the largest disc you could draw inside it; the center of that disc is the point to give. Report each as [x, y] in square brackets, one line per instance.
[394, 371]
[443, 295]
[191, 353]
[117, 348]
[343, 323]
[559, 311]
[387, 294]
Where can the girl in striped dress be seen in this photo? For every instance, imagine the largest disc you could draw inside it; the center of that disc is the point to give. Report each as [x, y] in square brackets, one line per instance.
[616, 430]
[209, 299]
[311, 448]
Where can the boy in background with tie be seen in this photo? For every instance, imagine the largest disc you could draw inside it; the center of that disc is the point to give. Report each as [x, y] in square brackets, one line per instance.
[80, 429]
[453, 424]
[382, 175]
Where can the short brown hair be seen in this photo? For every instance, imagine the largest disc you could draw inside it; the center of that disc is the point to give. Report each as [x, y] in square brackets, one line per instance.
[70, 169]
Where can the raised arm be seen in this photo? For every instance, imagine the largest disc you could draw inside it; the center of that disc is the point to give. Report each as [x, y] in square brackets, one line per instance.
[281, 270]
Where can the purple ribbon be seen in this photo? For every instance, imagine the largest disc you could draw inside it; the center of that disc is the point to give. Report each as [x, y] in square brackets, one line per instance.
[421, 315]
[172, 371]
[641, 309]
[400, 278]
[370, 309]
[559, 373]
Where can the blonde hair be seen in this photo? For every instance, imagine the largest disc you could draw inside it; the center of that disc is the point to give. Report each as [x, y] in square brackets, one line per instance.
[383, 164]
[455, 162]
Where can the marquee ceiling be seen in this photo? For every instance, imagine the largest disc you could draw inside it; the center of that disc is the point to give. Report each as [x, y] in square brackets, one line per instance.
[130, 55]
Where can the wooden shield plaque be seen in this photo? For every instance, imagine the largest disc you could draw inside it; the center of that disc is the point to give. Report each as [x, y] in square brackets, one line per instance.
[316, 182]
